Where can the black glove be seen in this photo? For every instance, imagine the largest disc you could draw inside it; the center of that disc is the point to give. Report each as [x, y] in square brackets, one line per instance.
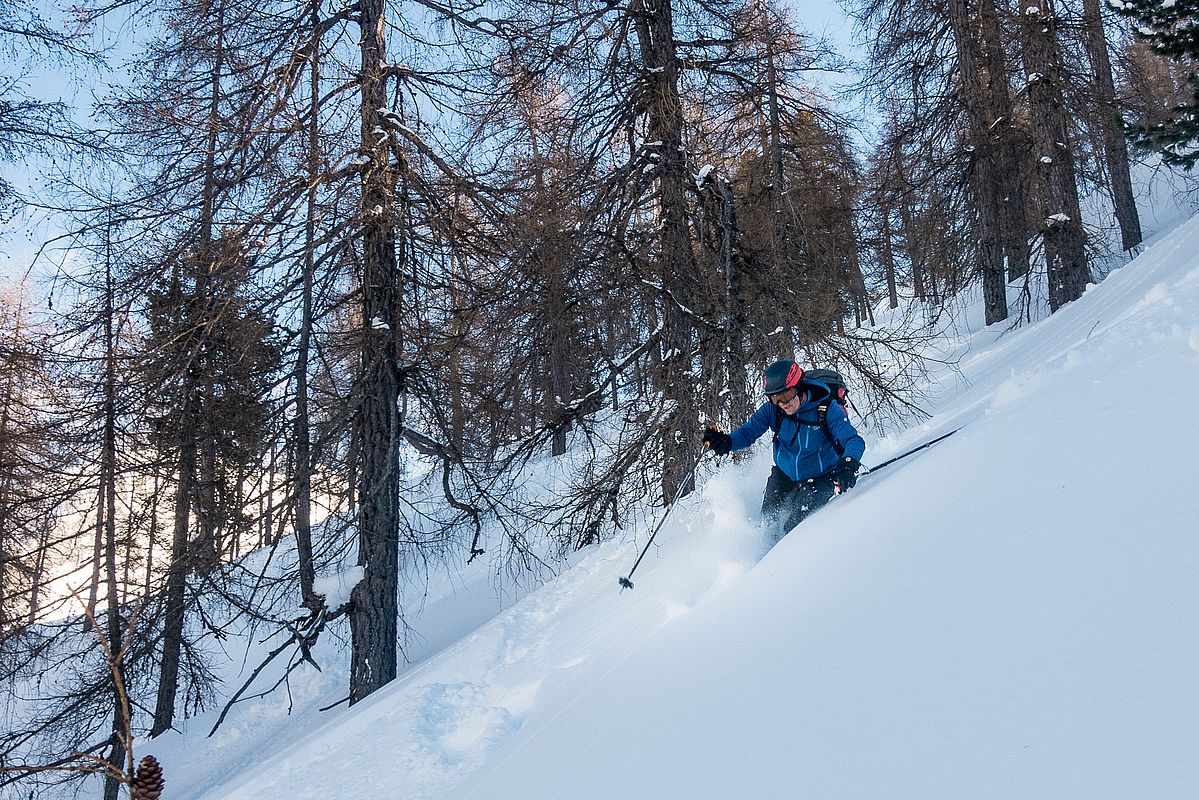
[846, 473]
[720, 442]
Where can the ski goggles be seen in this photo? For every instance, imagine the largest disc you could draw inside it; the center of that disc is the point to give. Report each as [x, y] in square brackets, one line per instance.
[784, 397]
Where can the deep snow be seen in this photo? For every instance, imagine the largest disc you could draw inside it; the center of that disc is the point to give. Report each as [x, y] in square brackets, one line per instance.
[1010, 613]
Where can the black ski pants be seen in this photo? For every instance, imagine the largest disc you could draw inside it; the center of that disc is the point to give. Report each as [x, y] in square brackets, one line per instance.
[792, 501]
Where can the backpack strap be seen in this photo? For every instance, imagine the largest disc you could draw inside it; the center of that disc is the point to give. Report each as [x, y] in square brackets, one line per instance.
[822, 416]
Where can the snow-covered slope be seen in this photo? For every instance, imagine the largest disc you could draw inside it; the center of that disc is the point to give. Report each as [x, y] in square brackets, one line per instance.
[1010, 613]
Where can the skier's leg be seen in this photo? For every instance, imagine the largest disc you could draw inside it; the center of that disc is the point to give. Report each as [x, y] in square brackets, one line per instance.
[774, 500]
[808, 496]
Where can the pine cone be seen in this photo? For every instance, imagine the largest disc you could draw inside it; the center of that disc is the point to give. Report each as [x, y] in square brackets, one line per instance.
[148, 783]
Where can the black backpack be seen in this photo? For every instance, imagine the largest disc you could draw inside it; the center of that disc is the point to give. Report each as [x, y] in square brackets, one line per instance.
[838, 393]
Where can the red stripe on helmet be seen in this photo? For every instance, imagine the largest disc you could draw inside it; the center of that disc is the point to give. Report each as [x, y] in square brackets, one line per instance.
[794, 375]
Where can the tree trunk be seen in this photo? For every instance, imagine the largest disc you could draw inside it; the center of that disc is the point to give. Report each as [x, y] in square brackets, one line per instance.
[115, 627]
[857, 283]
[191, 424]
[984, 180]
[738, 405]
[302, 434]
[654, 23]
[39, 568]
[1064, 238]
[1006, 145]
[93, 588]
[152, 538]
[175, 593]
[205, 548]
[6, 482]
[888, 253]
[374, 611]
[560, 350]
[916, 251]
[1110, 129]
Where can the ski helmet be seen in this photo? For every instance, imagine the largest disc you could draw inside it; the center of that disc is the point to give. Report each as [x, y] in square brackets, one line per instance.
[781, 376]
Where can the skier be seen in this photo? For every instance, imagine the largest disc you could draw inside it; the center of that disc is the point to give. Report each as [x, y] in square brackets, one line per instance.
[817, 451]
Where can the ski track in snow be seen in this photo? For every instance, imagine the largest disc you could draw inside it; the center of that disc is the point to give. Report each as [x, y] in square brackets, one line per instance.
[443, 719]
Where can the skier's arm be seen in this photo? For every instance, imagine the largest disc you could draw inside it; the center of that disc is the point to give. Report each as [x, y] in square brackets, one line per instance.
[754, 427]
[844, 432]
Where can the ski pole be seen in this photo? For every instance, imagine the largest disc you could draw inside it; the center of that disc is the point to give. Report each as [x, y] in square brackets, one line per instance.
[872, 470]
[626, 582]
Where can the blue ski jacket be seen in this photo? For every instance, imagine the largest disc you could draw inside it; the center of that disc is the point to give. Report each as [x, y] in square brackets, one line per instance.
[802, 450]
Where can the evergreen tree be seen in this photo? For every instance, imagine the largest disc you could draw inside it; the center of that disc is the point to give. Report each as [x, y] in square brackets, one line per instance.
[1171, 29]
[211, 358]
